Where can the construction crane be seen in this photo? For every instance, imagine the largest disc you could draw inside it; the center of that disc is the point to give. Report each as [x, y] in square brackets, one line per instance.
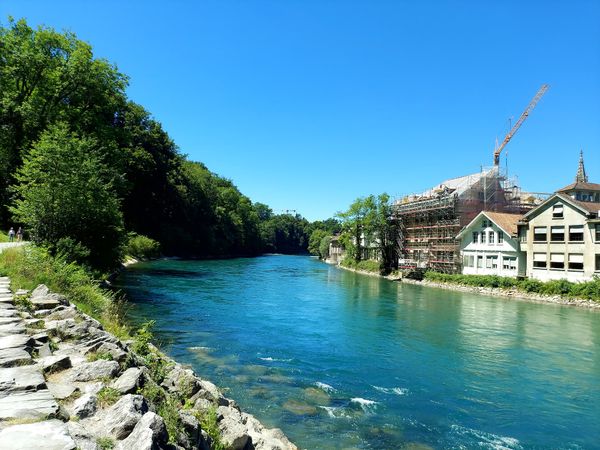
[514, 129]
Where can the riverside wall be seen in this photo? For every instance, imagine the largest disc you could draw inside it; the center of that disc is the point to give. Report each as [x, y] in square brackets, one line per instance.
[66, 383]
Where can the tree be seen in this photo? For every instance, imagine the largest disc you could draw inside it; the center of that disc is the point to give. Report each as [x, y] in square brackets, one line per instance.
[66, 201]
[314, 242]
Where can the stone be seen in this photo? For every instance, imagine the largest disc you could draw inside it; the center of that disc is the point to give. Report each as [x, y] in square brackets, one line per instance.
[211, 392]
[129, 381]
[21, 378]
[45, 303]
[234, 433]
[22, 292]
[9, 312]
[11, 328]
[8, 320]
[85, 406]
[182, 381]
[29, 405]
[55, 363]
[112, 349]
[83, 438]
[16, 341]
[40, 291]
[203, 404]
[95, 370]
[46, 435]
[120, 419]
[44, 351]
[192, 429]
[61, 391]
[63, 312]
[11, 357]
[41, 337]
[34, 323]
[150, 433]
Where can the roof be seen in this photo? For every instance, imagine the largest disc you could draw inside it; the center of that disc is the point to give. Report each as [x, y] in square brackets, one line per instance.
[581, 186]
[460, 184]
[505, 221]
[584, 207]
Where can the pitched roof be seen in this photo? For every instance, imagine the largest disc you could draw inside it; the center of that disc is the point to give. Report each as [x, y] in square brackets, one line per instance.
[581, 186]
[584, 207]
[506, 221]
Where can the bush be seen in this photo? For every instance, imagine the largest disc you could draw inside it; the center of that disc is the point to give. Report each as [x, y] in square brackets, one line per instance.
[367, 265]
[141, 247]
[589, 290]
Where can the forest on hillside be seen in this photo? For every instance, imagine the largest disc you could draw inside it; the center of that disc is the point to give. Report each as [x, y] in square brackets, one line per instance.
[83, 167]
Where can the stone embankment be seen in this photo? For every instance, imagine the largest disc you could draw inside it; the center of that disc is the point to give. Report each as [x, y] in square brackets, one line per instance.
[67, 384]
[509, 293]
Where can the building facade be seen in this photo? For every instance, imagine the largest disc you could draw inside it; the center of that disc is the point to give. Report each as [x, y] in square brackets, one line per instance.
[489, 245]
[561, 237]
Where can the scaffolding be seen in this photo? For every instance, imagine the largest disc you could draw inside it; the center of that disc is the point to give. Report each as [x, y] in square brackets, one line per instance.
[429, 222]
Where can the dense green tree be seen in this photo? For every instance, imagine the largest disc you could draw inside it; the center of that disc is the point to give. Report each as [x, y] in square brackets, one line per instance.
[314, 241]
[65, 199]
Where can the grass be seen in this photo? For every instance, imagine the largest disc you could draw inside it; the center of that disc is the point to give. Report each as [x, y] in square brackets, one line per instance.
[588, 290]
[366, 265]
[209, 423]
[108, 396]
[105, 443]
[95, 356]
[30, 266]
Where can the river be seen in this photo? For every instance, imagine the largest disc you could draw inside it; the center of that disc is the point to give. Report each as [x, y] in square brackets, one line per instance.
[340, 360]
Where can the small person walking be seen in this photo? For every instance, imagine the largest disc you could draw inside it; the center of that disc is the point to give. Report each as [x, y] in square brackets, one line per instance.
[11, 234]
[19, 234]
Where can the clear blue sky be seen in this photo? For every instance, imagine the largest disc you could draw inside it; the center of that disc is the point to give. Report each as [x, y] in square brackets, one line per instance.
[309, 104]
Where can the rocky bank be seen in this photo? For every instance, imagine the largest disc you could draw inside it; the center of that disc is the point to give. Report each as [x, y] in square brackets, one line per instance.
[65, 383]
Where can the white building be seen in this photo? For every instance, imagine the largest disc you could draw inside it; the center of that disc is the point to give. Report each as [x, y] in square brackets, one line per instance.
[489, 245]
[562, 235]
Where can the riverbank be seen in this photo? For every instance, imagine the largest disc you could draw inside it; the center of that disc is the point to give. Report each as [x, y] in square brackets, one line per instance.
[512, 293]
[80, 327]
[67, 383]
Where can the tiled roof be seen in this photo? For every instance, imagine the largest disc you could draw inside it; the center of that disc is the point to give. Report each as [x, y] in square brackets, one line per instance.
[588, 206]
[581, 186]
[506, 221]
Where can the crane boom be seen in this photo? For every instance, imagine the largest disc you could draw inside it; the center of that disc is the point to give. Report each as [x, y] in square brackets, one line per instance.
[524, 116]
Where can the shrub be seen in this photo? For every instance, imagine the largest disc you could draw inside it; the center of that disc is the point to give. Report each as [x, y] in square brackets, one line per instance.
[108, 396]
[141, 247]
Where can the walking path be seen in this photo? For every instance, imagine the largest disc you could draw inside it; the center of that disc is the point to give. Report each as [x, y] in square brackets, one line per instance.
[26, 404]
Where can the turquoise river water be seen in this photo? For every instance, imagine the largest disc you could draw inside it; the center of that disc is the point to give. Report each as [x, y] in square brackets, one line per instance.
[340, 360]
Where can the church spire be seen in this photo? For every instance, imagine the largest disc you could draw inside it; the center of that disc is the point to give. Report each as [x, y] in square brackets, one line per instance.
[581, 175]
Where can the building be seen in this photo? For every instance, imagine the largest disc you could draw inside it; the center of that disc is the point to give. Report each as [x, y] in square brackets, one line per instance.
[489, 245]
[429, 222]
[561, 237]
[336, 251]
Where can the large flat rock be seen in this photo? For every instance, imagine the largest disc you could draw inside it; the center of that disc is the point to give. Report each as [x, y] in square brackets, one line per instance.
[61, 391]
[45, 302]
[10, 357]
[16, 341]
[28, 405]
[46, 435]
[22, 378]
[9, 312]
[9, 329]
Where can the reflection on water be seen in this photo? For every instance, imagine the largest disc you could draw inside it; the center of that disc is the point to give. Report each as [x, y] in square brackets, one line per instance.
[341, 360]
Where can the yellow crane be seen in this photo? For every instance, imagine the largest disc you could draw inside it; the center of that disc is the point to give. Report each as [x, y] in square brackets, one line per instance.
[514, 129]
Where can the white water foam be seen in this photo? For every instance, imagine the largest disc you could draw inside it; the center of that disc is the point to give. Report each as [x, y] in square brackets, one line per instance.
[206, 349]
[395, 390]
[326, 387]
[268, 358]
[488, 440]
[366, 404]
[335, 412]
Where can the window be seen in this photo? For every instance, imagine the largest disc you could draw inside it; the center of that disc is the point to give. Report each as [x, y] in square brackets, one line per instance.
[597, 263]
[491, 262]
[557, 260]
[575, 261]
[576, 233]
[491, 237]
[539, 260]
[483, 237]
[465, 261]
[598, 232]
[480, 261]
[475, 237]
[557, 211]
[500, 237]
[539, 234]
[484, 223]
[471, 261]
[509, 263]
[557, 234]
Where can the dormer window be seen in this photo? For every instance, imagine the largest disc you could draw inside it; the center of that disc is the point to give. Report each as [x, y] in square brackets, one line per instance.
[557, 211]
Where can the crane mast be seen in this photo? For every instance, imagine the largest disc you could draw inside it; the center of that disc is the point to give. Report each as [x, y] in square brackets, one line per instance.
[514, 129]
